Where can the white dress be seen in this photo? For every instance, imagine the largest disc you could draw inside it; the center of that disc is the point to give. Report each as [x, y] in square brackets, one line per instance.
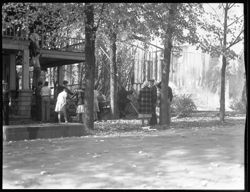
[61, 101]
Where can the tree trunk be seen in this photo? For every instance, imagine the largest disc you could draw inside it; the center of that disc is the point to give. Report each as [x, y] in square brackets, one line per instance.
[223, 69]
[222, 92]
[113, 76]
[90, 64]
[165, 105]
[165, 116]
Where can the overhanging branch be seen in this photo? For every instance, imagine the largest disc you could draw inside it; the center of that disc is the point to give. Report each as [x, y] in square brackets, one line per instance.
[100, 17]
[237, 40]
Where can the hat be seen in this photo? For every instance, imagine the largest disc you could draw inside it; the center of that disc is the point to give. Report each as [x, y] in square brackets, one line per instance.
[145, 84]
[159, 85]
[65, 82]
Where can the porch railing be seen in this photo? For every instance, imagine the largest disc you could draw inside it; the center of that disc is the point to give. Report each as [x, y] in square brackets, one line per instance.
[47, 42]
[14, 32]
[62, 43]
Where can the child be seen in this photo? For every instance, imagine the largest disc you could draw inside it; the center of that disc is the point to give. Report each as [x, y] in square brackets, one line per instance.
[80, 104]
[61, 105]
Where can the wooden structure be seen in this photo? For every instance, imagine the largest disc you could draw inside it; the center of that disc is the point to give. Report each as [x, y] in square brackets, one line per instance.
[68, 52]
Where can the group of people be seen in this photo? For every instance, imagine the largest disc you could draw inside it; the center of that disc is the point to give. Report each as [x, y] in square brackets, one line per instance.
[63, 94]
[43, 98]
[79, 95]
[149, 99]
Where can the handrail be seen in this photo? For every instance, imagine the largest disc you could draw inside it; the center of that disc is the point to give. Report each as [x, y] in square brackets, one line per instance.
[62, 43]
[16, 34]
[48, 42]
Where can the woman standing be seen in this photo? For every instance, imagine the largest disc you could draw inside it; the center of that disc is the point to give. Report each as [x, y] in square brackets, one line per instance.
[46, 93]
[145, 101]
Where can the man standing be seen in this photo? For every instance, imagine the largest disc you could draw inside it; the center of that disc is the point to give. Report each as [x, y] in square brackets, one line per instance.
[123, 100]
[35, 54]
[45, 93]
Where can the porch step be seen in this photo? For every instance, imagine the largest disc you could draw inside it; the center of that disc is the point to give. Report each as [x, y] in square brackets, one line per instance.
[41, 131]
[19, 120]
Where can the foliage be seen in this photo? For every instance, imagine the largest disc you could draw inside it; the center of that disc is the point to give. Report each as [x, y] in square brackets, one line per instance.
[174, 23]
[225, 31]
[238, 105]
[52, 19]
[183, 105]
[212, 80]
[184, 24]
[212, 32]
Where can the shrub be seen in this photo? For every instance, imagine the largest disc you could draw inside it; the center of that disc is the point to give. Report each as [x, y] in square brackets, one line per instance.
[238, 105]
[183, 105]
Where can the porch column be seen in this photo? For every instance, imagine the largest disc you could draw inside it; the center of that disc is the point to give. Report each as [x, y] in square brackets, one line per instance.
[25, 70]
[25, 95]
[60, 75]
[12, 72]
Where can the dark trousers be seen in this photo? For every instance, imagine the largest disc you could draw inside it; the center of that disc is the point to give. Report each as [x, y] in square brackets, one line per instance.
[153, 120]
[122, 107]
[100, 113]
[46, 108]
[5, 112]
[39, 108]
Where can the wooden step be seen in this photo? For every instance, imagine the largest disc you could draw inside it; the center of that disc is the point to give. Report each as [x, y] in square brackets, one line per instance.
[41, 131]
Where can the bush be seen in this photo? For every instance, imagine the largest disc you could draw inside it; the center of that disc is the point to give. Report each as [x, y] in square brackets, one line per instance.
[183, 105]
[238, 105]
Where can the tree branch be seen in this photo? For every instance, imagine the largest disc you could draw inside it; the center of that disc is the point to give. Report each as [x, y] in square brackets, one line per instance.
[237, 40]
[144, 41]
[229, 7]
[220, 39]
[98, 22]
[234, 21]
[216, 12]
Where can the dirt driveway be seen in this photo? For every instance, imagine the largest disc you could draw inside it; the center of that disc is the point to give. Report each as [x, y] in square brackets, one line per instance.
[191, 154]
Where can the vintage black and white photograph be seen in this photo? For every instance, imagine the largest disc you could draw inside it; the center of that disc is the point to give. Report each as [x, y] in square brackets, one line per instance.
[124, 95]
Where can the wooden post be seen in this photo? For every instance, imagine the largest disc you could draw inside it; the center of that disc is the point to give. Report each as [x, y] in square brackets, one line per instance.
[25, 95]
[155, 66]
[12, 85]
[25, 70]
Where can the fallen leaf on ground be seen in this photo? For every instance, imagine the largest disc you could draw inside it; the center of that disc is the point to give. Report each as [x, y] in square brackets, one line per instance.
[96, 155]
[44, 173]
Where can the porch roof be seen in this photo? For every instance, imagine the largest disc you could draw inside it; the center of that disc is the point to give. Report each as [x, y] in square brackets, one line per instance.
[49, 57]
